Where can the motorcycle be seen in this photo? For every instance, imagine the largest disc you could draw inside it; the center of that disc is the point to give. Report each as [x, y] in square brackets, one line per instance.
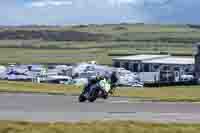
[100, 89]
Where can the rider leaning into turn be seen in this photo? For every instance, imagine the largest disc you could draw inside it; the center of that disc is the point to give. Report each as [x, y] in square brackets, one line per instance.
[107, 82]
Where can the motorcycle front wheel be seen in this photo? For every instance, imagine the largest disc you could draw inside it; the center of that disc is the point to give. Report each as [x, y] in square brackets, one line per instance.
[82, 98]
[93, 95]
[92, 99]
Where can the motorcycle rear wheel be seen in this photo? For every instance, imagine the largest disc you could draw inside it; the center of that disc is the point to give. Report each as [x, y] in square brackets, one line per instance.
[105, 97]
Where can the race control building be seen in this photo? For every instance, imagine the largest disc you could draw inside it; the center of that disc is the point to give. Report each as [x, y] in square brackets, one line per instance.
[158, 68]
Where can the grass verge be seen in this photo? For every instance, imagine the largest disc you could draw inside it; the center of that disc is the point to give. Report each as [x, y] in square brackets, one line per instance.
[169, 94]
[28, 87]
[97, 127]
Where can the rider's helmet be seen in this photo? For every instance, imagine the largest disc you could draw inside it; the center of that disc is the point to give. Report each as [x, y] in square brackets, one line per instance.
[99, 77]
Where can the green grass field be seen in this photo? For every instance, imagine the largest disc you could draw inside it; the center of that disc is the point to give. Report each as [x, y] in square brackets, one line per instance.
[62, 52]
[97, 127]
[125, 39]
[170, 94]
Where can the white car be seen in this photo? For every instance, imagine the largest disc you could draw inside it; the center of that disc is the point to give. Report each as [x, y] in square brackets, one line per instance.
[187, 77]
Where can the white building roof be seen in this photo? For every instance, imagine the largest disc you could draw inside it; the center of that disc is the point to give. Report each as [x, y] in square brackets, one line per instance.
[159, 59]
[141, 57]
[172, 60]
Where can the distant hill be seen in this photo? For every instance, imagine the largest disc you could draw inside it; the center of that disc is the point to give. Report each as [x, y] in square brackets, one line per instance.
[50, 35]
[107, 32]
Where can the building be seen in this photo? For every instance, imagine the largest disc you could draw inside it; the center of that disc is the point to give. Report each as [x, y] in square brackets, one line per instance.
[158, 68]
[197, 61]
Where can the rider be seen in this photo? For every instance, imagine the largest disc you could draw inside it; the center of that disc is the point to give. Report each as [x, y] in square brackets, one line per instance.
[112, 79]
[93, 80]
[108, 82]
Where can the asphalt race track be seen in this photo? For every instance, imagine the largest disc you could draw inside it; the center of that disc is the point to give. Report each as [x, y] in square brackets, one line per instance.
[57, 108]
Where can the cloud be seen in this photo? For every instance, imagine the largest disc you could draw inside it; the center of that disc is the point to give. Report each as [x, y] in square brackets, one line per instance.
[98, 11]
[96, 3]
[138, 2]
[119, 2]
[47, 3]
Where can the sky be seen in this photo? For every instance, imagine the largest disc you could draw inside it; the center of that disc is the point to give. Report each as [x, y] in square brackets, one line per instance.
[67, 12]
